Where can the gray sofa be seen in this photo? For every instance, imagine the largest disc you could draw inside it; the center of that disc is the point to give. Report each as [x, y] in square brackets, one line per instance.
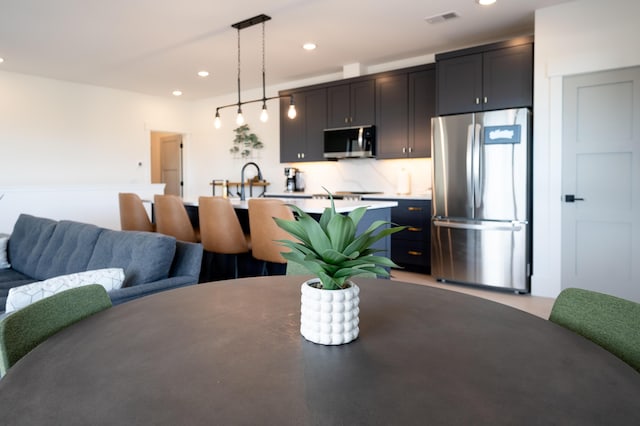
[41, 248]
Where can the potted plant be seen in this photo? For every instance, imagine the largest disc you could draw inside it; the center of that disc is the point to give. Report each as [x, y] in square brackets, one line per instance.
[331, 250]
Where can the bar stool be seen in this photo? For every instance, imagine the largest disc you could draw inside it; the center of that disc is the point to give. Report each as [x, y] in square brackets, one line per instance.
[133, 215]
[264, 232]
[220, 229]
[172, 218]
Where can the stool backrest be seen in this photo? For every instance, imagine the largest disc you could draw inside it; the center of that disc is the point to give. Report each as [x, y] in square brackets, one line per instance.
[264, 229]
[172, 218]
[220, 230]
[133, 215]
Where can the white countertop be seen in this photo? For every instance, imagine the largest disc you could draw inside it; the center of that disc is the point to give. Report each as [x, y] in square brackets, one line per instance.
[314, 205]
[424, 196]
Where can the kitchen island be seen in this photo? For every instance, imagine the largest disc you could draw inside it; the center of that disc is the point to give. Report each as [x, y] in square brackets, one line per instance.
[376, 210]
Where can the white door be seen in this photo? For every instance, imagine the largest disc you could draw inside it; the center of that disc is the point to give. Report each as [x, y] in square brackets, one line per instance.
[601, 171]
[171, 164]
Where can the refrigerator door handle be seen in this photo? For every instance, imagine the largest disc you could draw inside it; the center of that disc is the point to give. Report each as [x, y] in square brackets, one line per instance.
[470, 165]
[497, 226]
[477, 168]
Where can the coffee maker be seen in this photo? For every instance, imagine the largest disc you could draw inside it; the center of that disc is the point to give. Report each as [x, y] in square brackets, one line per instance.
[295, 180]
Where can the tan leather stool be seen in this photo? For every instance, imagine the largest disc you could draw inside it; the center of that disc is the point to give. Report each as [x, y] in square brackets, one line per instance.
[133, 215]
[220, 229]
[264, 230]
[172, 218]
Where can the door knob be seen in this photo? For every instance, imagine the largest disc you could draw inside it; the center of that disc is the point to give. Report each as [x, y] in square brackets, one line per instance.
[570, 198]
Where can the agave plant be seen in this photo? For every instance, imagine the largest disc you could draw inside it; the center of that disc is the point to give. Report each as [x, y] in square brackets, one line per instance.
[331, 250]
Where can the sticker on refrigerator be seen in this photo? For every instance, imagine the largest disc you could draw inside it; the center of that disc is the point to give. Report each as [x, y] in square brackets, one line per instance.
[502, 134]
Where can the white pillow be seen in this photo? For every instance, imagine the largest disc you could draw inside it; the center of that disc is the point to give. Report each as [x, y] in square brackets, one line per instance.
[19, 297]
[4, 242]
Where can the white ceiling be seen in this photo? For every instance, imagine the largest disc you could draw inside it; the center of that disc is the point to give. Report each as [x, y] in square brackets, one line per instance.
[157, 46]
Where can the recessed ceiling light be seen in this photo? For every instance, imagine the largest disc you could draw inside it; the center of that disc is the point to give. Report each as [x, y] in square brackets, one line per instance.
[309, 46]
[177, 93]
[485, 2]
[203, 73]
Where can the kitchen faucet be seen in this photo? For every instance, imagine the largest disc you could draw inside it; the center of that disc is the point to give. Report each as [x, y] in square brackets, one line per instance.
[242, 196]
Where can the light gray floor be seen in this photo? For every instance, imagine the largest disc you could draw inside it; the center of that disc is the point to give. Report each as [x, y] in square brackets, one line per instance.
[539, 306]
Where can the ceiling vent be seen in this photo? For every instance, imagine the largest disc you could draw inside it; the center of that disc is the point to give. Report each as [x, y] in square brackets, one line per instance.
[441, 17]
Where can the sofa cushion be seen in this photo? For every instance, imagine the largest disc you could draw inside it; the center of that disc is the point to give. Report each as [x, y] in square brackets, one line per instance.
[4, 259]
[19, 297]
[28, 240]
[69, 249]
[144, 256]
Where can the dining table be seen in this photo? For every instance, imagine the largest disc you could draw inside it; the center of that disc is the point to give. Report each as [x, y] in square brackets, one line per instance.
[231, 353]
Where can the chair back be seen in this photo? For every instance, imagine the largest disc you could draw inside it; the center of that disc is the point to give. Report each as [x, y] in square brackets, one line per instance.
[264, 230]
[172, 218]
[220, 230]
[133, 215]
[24, 329]
[609, 321]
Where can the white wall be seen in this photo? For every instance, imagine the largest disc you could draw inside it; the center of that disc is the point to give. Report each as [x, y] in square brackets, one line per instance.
[67, 149]
[573, 38]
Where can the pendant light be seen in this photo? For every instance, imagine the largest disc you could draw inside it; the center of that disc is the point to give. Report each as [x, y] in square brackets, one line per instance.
[264, 114]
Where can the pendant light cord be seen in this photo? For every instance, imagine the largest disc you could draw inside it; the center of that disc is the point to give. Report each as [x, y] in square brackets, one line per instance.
[264, 90]
[239, 103]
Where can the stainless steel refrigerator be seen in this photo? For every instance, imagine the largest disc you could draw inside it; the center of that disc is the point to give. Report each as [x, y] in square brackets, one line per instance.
[481, 218]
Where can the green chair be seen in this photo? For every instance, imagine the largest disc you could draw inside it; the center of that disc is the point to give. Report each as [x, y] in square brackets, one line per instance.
[23, 330]
[609, 321]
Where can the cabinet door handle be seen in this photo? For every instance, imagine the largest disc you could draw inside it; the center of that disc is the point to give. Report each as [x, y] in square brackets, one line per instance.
[404, 150]
[414, 229]
[302, 155]
[485, 100]
[414, 209]
[477, 101]
[414, 253]
[346, 119]
[410, 150]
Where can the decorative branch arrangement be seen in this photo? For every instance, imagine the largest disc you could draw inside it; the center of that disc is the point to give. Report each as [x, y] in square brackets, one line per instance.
[245, 142]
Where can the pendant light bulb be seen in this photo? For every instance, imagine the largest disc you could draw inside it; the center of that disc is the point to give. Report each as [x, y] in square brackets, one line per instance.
[239, 118]
[217, 123]
[292, 111]
[264, 115]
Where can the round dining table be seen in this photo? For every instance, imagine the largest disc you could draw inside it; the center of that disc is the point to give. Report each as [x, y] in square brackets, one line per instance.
[231, 353]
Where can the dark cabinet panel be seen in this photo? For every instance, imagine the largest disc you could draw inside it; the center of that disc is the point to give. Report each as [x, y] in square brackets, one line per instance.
[410, 248]
[459, 84]
[301, 138]
[508, 77]
[405, 104]
[490, 77]
[391, 116]
[422, 108]
[351, 104]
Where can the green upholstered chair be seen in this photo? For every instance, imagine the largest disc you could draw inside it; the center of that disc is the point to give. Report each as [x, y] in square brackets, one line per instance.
[23, 330]
[609, 321]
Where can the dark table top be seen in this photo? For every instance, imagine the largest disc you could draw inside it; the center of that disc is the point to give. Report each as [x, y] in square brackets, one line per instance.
[230, 353]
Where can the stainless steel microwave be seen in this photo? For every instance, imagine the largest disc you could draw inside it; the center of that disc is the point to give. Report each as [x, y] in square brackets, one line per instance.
[350, 142]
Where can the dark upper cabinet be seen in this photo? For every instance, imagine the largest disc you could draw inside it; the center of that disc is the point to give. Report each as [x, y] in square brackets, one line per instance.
[301, 138]
[351, 104]
[485, 78]
[405, 104]
[422, 108]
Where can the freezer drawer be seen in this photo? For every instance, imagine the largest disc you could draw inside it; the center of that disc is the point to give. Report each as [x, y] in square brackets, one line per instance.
[481, 252]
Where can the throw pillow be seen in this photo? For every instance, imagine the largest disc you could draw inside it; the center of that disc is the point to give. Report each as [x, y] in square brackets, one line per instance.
[19, 297]
[4, 260]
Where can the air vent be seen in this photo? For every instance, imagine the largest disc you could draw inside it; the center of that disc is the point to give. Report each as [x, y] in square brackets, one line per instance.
[441, 17]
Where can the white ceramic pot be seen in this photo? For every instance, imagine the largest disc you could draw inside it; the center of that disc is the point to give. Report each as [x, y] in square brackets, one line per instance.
[329, 317]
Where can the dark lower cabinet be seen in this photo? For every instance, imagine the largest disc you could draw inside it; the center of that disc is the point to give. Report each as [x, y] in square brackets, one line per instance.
[411, 248]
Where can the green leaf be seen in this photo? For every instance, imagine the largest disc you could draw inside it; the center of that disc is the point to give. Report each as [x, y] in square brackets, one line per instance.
[357, 214]
[341, 231]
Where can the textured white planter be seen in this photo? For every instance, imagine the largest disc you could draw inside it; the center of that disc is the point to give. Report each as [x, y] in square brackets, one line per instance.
[329, 317]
